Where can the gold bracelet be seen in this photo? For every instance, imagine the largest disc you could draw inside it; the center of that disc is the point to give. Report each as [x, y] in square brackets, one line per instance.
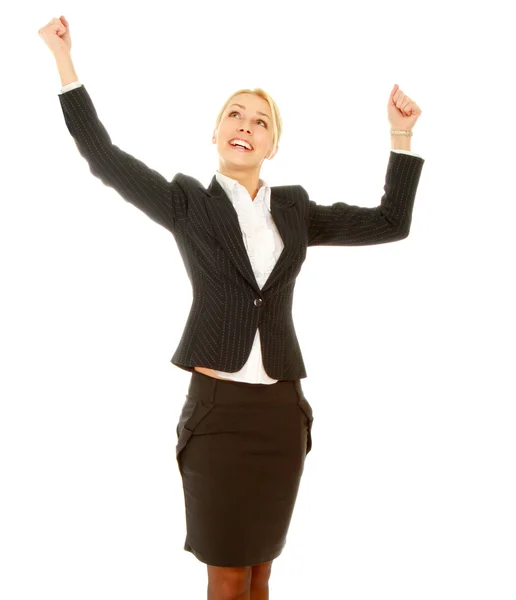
[401, 132]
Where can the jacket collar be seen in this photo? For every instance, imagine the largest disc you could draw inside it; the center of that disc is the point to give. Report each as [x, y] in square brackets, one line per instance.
[224, 219]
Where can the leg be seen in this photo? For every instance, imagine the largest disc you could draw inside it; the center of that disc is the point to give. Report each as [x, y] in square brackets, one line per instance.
[260, 581]
[228, 583]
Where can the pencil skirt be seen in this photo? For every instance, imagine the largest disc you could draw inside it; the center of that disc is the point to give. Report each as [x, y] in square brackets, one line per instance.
[240, 450]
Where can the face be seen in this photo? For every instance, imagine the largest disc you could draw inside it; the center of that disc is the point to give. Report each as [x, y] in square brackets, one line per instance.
[249, 124]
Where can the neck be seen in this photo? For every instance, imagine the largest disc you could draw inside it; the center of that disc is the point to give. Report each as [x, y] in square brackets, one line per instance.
[248, 179]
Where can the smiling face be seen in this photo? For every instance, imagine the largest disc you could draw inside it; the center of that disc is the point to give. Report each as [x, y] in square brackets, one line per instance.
[247, 116]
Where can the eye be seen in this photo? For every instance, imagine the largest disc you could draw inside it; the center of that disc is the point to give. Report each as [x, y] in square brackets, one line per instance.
[237, 113]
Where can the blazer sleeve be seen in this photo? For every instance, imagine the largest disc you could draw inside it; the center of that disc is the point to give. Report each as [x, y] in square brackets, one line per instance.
[162, 201]
[342, 224]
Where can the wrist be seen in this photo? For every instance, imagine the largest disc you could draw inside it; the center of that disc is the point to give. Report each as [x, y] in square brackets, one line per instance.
[400, 142]
[65, 67]
[62, 53]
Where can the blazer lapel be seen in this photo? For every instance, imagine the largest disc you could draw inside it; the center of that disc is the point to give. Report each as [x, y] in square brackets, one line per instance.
[224, 219]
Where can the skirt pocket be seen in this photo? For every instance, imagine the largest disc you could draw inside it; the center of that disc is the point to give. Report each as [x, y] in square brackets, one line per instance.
[304, 405]
[195, 409]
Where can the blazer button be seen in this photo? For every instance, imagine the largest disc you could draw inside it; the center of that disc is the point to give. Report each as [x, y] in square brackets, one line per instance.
[258, 302]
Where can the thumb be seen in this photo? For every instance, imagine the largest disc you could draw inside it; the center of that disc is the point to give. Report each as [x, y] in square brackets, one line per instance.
[393, 91]
[64, 22]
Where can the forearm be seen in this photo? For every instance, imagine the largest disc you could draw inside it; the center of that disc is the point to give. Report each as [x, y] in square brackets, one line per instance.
[65, 67]
[400, 142]
[342, 224]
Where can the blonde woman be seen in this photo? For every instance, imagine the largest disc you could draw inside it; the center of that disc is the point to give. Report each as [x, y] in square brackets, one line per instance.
[245, 427]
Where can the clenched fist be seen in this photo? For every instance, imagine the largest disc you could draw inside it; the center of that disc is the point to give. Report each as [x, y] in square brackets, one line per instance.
[56, 35]
[402, 111]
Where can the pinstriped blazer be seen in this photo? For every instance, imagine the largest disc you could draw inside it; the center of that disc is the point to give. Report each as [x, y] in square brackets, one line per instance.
[228, 305]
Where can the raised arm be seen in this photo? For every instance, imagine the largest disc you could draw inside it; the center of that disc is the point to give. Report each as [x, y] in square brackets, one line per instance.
[163, 201]
[342, 224]
[137, 183]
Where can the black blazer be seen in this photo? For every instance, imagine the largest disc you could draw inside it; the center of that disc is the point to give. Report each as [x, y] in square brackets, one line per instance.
[228, 305]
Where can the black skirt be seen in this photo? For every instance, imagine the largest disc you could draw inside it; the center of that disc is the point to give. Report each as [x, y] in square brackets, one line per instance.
[241, 450]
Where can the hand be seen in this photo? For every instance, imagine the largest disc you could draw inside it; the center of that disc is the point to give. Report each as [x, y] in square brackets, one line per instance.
[403, 112]
[56, 35]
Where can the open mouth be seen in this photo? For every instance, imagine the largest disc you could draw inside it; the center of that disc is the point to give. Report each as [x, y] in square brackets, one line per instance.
[240, 148]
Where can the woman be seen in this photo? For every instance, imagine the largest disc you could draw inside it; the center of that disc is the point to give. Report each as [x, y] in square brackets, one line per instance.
[245, 427]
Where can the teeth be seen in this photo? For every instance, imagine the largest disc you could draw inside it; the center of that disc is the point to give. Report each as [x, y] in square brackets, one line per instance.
[240, 143]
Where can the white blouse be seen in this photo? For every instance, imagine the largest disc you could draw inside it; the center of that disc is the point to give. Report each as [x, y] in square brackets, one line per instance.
[264, 245]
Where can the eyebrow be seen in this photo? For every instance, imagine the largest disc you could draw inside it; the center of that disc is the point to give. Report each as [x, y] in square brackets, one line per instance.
[257, 112]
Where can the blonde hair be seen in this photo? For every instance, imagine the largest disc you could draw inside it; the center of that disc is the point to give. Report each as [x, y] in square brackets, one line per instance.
[277, 122]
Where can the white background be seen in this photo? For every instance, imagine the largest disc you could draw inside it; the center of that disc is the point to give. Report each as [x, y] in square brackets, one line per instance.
[409, 491]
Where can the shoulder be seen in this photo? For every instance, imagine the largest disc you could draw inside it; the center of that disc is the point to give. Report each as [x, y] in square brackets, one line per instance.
[290, 194]
[187, 181]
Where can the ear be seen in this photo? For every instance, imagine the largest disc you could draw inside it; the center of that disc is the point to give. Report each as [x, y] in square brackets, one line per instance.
[214, 138]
